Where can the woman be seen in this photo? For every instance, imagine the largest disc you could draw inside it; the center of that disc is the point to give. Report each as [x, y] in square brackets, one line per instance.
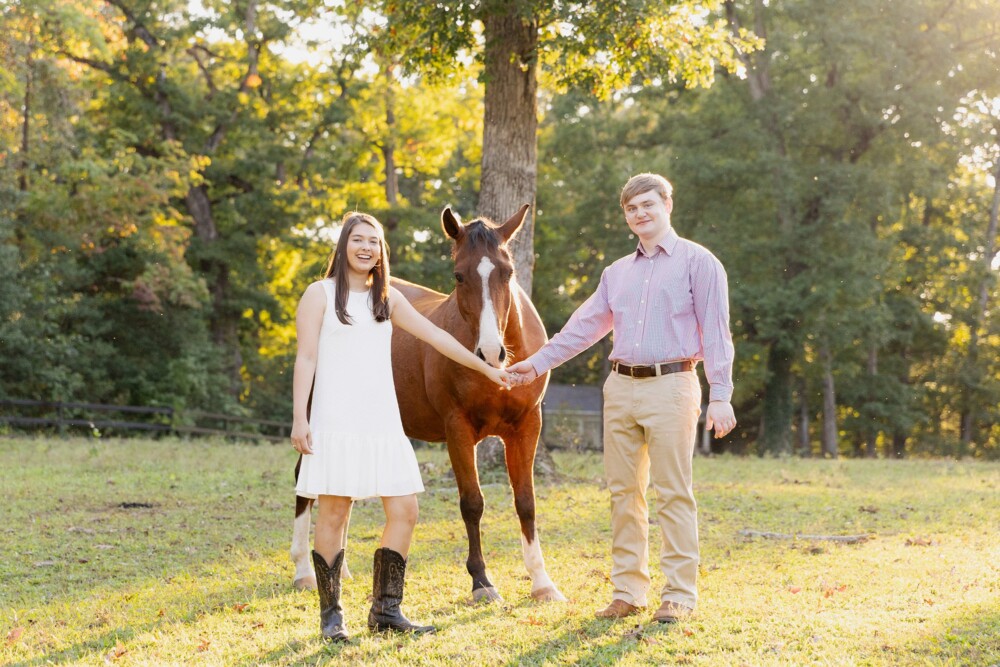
[352, 442]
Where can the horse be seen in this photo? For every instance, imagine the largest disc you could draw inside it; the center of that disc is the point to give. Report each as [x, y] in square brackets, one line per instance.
[440, 400]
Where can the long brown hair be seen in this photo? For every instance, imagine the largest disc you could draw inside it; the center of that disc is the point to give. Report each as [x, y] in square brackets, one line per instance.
[378, 276]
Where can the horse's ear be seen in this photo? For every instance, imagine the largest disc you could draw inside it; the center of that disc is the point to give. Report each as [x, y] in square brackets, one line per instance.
[452, 226]
[509, 228]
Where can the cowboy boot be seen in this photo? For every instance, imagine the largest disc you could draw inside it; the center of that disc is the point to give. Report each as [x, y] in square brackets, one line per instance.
[388, 577]
[331, 614]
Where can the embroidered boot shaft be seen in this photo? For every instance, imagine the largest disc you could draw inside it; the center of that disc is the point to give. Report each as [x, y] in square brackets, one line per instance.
[331, 615]
[388, 579]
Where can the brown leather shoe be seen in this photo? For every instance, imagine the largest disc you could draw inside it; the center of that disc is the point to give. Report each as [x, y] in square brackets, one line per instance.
[671, 612]
[617, 609]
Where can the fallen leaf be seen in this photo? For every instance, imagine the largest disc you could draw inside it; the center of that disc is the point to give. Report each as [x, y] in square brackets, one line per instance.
[161, 613]
[203, 646]
[531, 620]
[929, 602]
[918, 542]
[828, 591]
[257, 626]
[240, 607]
[14, 635]
[688, 632]
[870, 509]
[794, 589]
[118, 651]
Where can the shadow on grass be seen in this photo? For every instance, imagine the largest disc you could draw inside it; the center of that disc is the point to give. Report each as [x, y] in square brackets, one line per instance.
[969, 638]
[171, 613]
[578, 636]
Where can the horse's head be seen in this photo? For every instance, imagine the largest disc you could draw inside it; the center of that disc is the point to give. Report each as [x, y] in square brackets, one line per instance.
[484, 279]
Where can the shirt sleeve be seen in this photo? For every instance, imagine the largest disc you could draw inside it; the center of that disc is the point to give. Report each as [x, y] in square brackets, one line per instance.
[589, 323]
[710, 290]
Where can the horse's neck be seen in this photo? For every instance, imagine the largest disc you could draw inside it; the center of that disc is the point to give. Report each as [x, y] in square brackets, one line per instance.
[514, 331]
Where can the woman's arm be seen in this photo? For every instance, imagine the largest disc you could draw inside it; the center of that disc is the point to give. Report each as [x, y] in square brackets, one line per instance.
[308, 322]
[405, 316]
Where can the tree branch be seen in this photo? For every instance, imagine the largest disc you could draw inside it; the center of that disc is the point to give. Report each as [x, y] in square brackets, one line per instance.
[193, 52]
[843, 539]
[138, 28]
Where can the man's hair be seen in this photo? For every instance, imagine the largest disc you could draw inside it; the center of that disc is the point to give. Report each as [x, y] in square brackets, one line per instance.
[644, 183]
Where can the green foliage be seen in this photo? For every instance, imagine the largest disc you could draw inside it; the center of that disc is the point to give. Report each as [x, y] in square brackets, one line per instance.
[172, 176]
[811, 190]
[599, 47]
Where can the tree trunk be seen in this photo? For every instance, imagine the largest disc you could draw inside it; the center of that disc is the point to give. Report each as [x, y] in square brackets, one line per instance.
[776, 419]
[805, 444]
[29, 79]
[389, 143]
[224, 323]
[871, 429]
[510, 125]
[510, 161]
[898, 445]
[490, 457]
[830, 444]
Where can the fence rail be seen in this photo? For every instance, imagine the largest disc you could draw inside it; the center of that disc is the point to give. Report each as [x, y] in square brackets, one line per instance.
[63, 415]
[563, 429]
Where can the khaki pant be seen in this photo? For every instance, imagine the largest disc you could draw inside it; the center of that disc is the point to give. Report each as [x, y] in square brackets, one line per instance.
[649, 431]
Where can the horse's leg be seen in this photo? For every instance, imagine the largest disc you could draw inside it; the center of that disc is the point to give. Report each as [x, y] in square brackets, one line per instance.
[305, 578]
[519, 449]
[462, 451]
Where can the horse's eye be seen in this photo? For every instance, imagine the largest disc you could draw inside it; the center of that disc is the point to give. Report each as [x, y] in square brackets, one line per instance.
[459, 279]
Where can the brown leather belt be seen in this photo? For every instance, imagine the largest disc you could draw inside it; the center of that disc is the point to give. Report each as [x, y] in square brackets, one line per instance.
[653, 371]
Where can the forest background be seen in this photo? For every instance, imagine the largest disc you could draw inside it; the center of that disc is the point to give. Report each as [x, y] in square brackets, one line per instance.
[172, 173]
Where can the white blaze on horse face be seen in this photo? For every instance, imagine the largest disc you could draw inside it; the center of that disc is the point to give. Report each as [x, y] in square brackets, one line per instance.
[490, 342]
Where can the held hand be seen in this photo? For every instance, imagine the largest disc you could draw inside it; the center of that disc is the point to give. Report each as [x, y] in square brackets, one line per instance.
[301, 437]
[522, 373]
[498, 375]
[720, 414]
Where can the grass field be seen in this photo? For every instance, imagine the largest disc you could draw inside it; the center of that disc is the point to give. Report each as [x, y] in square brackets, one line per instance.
[169, 552]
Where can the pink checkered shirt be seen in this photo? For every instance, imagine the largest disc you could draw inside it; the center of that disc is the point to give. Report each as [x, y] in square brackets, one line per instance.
[667, 306]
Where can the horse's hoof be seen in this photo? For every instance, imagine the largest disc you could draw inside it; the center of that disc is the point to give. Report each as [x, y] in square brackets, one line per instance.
[487, 594]
[548, 594]
[305, 583]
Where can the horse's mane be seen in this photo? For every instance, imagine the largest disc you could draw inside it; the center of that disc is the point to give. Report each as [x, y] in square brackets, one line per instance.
[481, 233]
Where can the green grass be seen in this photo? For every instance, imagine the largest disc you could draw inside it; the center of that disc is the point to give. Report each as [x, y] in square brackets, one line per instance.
[202, 575]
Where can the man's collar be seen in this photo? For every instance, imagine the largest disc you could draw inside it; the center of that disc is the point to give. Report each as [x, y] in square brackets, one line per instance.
[667, 243]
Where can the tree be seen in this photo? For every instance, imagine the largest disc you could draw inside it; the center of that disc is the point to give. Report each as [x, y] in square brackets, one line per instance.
[600, 46]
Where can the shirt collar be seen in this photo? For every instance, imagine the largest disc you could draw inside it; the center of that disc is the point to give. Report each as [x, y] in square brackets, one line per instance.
[667, 244]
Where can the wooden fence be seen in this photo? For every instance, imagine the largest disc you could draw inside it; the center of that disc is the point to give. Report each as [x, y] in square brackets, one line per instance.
[64, 416]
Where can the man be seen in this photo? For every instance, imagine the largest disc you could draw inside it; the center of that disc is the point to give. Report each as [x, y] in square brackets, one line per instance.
[668, 306]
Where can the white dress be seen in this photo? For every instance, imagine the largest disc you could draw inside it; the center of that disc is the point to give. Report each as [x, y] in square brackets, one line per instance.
[359, 448]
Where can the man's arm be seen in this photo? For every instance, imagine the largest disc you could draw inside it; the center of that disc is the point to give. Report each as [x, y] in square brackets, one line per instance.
[710, 289]
[589, 323]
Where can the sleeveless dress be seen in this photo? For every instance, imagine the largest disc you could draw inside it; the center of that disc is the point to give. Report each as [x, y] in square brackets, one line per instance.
[359, 448]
